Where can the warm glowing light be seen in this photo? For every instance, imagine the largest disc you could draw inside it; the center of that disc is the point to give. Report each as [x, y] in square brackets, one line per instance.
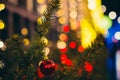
[24, 31]
[81, 49]
[104, 8]
[2, 25]
[2, 6]
[63, 37]
[26, 41]
[74, 25]
[45, 40]
[117, 35]
[118, 20]
[112, 15]
[88, 35]
[72, 45]
[1, 44]
[43, 8]
[59, 13]
[61, 44]
[73, 14]
[62, 20]
[88, 66]
[46, 50]
[91, 4]
[66, 28]
[63, 50]
[40, 1]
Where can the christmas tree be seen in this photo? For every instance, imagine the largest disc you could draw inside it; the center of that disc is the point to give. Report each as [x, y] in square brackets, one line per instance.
[74, 59]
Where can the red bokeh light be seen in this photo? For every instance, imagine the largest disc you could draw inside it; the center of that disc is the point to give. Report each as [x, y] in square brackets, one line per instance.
[88, 67]
[80, 49]
[63, 50]
[68, 62]
[72, 45]
[66, 28]
[63, 58]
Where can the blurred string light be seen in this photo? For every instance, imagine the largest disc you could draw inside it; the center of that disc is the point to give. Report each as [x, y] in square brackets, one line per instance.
[73, 14]
[118, 19]
[2, 6]
[63, 37]
[1, 44]
[24, 31]
[104, 8]
[62, 20]
[112, 15]
[2, 25]
[61, 44]
[117, 35]
[26, 41]
[40, 1]
[91, 4]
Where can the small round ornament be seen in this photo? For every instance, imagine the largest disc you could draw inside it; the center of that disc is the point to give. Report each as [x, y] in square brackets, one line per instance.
[47, 67]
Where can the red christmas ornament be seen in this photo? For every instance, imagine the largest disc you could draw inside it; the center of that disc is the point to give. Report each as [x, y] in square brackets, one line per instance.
[39, 73]
[47, 67]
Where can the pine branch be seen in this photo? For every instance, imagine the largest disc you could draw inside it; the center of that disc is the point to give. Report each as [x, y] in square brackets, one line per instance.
[52, 6]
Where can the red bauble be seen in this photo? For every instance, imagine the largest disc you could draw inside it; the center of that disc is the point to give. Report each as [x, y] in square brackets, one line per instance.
[47, 67]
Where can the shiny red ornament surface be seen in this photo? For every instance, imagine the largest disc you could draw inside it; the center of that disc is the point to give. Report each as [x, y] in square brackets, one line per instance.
[47, 67]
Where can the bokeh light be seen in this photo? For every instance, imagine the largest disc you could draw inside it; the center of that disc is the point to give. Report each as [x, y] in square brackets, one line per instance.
[40, 1]
[117, 35]
[118, 20]
[62, 20]
[61, 44]
[104, 8]
[112, 15]
[1, 44]
[24, 31]
[66, 28]
[81, 49]
[63, 50]
[2, 6]
[26, 41]
[72, 44]
[59, 13]
[63, 37]
[2, 25]
[43, 8]
[91, 4]
[73, 14]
